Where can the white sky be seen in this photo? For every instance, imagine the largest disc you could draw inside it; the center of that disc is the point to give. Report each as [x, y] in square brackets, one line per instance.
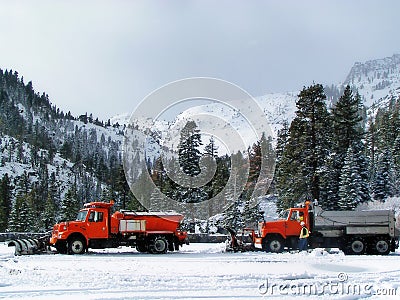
[104, 57]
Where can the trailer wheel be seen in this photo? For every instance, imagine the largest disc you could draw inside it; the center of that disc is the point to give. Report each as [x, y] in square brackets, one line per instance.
[356, 246]
[274, 244]
[158, 245]
[76, 246]
[381, 246]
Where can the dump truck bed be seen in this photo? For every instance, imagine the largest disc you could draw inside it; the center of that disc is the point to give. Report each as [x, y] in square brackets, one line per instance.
[357, 222]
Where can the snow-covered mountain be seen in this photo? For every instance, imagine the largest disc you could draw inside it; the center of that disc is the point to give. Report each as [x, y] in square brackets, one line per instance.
[45, 153]
[377, 81]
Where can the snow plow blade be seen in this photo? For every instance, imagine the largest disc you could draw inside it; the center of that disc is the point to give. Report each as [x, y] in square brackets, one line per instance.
[29, 246]
[244, 241]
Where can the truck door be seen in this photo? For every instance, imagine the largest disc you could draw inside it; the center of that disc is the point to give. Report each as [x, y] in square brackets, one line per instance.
[97, 225]
[293, 223]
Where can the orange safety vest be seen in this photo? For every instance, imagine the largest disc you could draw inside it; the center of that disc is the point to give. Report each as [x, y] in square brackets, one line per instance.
[304, 233]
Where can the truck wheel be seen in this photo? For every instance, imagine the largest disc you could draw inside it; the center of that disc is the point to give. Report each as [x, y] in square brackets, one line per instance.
[381, 246]
[158, 245]
[61, 247]
[274, 245]
[76, 246]
[142, 247]
[356, 246]
[171, 246]
[176, 245]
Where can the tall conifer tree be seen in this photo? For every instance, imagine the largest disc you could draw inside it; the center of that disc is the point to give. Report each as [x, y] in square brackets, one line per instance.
[306, 150]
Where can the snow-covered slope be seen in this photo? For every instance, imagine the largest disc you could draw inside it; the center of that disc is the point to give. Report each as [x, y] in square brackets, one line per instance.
[377, 80]
[220, 120]
[278, 108]
[49, 152]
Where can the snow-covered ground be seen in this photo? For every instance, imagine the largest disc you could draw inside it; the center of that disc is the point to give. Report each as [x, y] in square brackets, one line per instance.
[198, 271]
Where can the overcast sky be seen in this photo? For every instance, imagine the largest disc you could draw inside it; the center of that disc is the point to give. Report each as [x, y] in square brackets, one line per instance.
[104, 57]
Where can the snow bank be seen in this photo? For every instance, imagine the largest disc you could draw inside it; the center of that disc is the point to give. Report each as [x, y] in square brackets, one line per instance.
[199, 271]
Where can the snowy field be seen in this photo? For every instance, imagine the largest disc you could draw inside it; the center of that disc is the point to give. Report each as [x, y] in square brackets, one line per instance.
[199, 271]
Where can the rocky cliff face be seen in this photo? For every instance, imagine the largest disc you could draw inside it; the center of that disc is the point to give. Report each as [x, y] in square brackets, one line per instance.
[377, 80]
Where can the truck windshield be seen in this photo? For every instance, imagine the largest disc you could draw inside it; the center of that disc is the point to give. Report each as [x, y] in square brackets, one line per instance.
[284, 214]
[81, 215]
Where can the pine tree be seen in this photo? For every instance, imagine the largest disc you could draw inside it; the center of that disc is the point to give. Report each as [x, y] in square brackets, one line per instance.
[347, 132]
[122, 187]
[27, 217]
[396, 161]
[69, 206]
[330, 186]
[350, 183]
[13, 221]
[255, 157]
[211, 149]
[347, 121]
[251, 214]
[396, 151]
[282, 140]
[188, 149]
[108, 194]
[283, 171]
[5, 201]
[54, 192]
[48, 216]
[217, 179]
[362, 162]
[307, 149]
[233, 215]
[189, 161]
[22, 217]
[383, 185]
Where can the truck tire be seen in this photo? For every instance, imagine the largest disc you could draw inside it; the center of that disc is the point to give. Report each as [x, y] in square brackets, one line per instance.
[176, 245]
[61, 247]
[76, 245]
[356, 246]
[158, 245]
[274, 244]
[381, 246]
[171, 245]
[142, 247]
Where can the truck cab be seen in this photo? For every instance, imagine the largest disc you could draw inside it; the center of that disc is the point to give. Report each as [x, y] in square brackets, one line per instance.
[91, 223]
[274, 236]
[95, 220]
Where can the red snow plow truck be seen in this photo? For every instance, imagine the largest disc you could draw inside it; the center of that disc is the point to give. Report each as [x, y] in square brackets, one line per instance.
[95, 227]
[354, 232]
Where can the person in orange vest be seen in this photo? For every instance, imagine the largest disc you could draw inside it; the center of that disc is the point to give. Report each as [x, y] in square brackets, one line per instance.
[303, 238]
